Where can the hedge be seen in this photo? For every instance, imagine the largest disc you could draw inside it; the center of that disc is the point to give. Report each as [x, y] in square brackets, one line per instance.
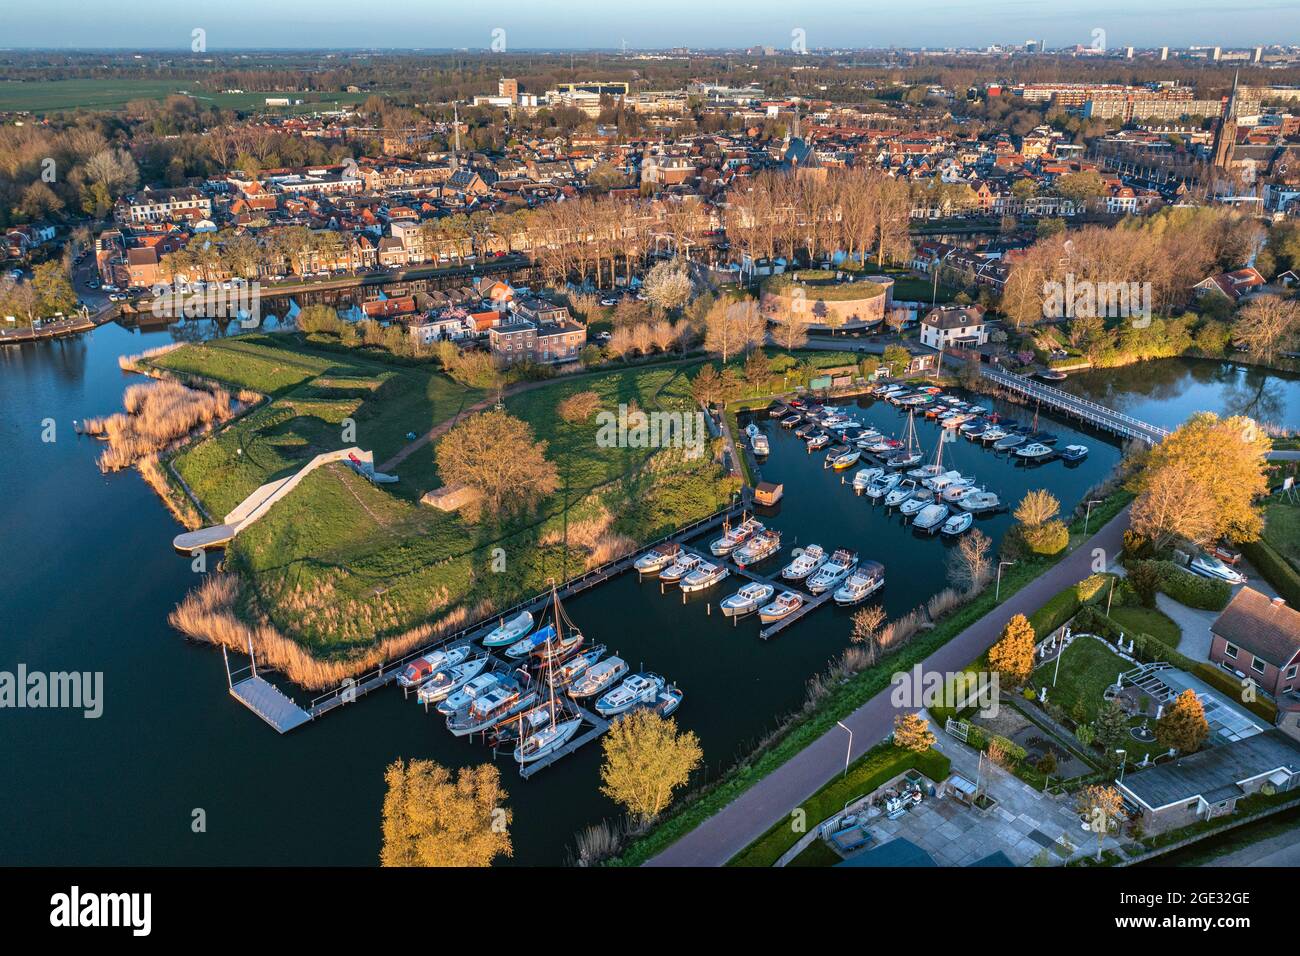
[1190, 589]
[1275, 568]
[879, 764]
[1066, 603]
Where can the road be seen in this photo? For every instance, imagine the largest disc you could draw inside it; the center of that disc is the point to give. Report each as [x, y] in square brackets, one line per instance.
[729, 831]
[1280, 850]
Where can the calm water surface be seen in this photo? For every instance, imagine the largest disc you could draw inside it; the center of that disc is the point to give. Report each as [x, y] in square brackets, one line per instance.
[89, 577]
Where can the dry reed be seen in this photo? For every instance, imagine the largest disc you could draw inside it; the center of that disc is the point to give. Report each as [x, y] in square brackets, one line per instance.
[156, 415]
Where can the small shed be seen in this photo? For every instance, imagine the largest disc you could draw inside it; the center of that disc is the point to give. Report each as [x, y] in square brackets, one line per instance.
[768, 492]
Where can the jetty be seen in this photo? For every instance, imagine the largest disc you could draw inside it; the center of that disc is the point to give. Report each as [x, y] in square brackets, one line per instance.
[1073, 406]
[593, 727]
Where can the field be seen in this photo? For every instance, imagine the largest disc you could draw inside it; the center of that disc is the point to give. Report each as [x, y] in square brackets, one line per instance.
[1088, 667]
[1282, 531]
[113, 94]
[340, 564]
[312, 394]
[1144, 620]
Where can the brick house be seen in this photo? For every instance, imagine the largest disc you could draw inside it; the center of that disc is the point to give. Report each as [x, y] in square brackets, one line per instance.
[1259, 638]
[537, 331]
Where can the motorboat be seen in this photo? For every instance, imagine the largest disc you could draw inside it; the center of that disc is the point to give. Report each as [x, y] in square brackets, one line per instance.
[507, 632]
[811, 427]
[903, 459]
[763, 545]
[994, 433]
[1034, 451]
[1043, 438]
[1208, 566]
[472, 688]
[885, 446]
[956, 492]
[930, 517]
[805, 562]
[778, 410]
[423, 668]
[1006, 443]
[786, 603]
[979, 502]
[634, 691]
[500, 703]
[881, 485]
[547, 741]
[1073, 453]
[747, 600]
[913, 505]
[449, 680]
[843, 425]
[957, 524]
[900, 493]
[948, 478]
[667, 701]
[863, 477]
[569, 671]
[751, 430]
[704, 576]
[791, 420]
[523, 725]
[832, 453]
[867, 578]
[733, 537]
[760, 445]
[840, 565]
[820, 440]
[597, 677]
[526, 645]
[845, 459]
[684, 565]
[657, 558]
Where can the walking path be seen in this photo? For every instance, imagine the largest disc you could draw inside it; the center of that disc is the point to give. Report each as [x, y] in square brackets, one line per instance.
[726, 833]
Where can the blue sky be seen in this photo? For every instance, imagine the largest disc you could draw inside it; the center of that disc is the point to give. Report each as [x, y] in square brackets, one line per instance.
[584, 24]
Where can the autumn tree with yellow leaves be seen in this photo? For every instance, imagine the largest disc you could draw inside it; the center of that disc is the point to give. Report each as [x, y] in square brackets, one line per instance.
[431, 819]
[646, 759]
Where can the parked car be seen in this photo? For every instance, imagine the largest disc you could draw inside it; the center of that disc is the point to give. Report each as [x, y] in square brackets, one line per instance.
[1211, 567]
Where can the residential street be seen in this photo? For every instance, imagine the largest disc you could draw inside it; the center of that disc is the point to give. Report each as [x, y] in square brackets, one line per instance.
[726, 833]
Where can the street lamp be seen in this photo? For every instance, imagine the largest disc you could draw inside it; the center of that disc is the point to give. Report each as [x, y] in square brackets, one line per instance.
[849, 750]
[997, 592]
[1088, 514]
[1123, 762]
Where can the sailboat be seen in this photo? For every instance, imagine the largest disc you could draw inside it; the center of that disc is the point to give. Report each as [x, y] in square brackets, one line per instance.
[546, 741]
[911, 451]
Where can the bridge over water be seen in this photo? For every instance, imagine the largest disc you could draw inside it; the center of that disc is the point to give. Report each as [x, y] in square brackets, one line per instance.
[1099, 416]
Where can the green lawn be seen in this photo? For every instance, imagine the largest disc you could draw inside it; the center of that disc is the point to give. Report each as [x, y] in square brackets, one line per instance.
[1088, 667]
[1150, 621]
[817, 853]
[1282, 531]
[43, 96]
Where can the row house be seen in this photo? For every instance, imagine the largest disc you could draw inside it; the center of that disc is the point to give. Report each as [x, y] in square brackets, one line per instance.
[165, 205]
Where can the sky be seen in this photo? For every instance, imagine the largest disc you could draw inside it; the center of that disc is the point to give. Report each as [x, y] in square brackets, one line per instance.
[608, 24]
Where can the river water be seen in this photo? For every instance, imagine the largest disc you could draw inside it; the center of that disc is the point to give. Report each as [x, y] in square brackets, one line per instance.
[89, 577]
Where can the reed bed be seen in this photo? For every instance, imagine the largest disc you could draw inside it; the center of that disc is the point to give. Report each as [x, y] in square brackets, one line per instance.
[209, 614]
[156, 415]
[178, 504]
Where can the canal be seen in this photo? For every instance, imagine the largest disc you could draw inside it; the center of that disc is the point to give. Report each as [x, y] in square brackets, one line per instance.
[89, 577]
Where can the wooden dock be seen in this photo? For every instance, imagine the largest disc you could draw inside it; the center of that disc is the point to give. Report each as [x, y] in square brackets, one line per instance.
[1099, 416]
[809, 605]
[596, 726]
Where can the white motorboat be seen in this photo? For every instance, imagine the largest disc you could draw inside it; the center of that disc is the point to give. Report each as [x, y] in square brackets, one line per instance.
[791, 420]
[956, 492]
[947, 480]
[840, 565]
[682, 566]
[979, 502]
[913, 505]
[526, 645]
[779, 410]
[930, 517]
[636, 690]
[867, 578]
[763, 545]
[805, 562]
[500, 703]
[705, 576]
[1008, 441]
[546, 741]
[507, 632]
[733, 537]
[1034, 451]
[451, 679]
[423, 668]
[747, 600]
[957, 524]
[1074, 453]
[881, 485]
[900, 493]
[819, 440]
[786, 603]
[751, 430]
[598, 676]
[569, 670]
[760, 445]
[657, 558]
[472, 688]
[862, 477]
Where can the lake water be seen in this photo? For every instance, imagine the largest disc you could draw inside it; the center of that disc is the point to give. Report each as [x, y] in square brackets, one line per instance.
[89, 577]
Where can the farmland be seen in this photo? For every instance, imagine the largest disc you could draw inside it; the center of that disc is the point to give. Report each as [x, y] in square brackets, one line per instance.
[46, 96]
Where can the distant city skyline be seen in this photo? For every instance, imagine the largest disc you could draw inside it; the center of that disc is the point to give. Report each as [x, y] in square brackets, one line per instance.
[587, 24]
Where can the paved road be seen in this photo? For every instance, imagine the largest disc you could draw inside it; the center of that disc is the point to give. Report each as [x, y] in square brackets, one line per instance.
[1280, 850]
[727, 832]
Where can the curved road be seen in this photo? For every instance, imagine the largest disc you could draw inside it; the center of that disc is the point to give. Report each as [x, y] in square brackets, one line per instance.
[726, 833]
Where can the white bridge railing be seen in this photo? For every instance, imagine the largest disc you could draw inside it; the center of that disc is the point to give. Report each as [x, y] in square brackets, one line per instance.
[1126, 424]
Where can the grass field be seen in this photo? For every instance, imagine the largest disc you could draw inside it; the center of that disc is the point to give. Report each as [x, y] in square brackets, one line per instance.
[1148, 620]
[113, 94]
[312, 394]
[1088, 667]
[1282, 531]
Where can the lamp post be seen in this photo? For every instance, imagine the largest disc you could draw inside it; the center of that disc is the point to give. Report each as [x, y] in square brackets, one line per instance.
[997, 591]
[848, 750]
[1123, 762]
[1088, 514]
